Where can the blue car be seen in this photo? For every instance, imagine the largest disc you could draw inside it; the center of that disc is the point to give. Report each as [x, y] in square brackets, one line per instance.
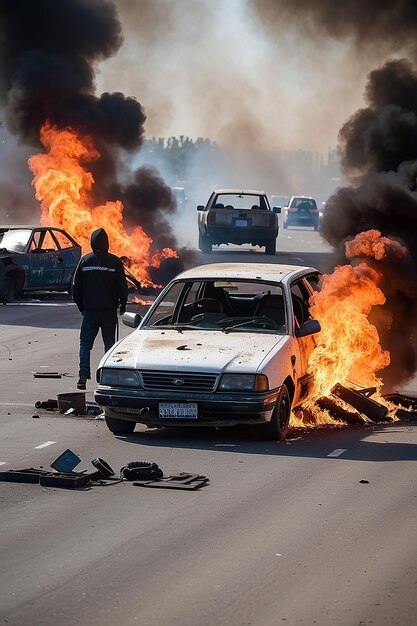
[36, 258]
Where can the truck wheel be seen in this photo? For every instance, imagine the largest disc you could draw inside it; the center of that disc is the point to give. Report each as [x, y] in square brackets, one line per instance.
[270, 246]
[204, 244]
[277, 428]
[119, 427]
[8, 292]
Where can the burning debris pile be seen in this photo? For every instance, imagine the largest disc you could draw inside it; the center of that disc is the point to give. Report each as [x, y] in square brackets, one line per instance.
[48, 57]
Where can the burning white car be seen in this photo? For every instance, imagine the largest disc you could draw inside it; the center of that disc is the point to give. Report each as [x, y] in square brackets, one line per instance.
[223, 344]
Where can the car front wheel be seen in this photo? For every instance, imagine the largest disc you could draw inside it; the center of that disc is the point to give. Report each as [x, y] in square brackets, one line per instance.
[277, 428]
[119, 427]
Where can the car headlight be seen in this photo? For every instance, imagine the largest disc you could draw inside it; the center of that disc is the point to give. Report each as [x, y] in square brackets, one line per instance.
[119, 377]
[243, 382]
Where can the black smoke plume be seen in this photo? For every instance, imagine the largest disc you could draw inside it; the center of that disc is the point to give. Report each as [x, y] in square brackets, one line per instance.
[49, 50]
[378, 151]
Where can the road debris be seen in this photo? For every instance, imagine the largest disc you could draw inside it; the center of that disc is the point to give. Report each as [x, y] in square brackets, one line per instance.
[183, 480]
[66, 461]
[49, 405]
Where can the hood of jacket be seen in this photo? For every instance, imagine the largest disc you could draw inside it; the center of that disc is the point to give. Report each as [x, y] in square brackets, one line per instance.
[99, 241]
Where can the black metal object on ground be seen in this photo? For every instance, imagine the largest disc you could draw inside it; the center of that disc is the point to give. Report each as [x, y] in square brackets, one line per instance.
[49, 479]
[409, 413]
[376, 411]
[183, 480]
[339, 413]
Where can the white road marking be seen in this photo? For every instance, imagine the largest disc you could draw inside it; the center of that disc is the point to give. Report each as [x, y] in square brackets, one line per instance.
[14, 404]
[337, 452]
[45, 445]
[3, 462]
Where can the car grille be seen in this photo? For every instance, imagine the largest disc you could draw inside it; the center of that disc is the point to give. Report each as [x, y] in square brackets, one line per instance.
[171, 381]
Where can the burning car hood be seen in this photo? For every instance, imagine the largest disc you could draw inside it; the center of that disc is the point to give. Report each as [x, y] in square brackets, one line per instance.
[208, 351]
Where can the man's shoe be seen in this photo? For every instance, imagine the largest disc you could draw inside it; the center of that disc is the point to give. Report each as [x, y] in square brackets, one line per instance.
[81, 382]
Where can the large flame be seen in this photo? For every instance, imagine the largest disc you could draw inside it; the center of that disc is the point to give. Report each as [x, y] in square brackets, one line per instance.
[63, 187]
[348, 348]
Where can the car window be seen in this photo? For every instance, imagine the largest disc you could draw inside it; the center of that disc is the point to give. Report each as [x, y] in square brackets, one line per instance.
[35, 242]
[63, 240]
[163, 312]
[314, 281]
[300, 302]
[229, 306]
[48, 243]
[241, 201]
[15, 240]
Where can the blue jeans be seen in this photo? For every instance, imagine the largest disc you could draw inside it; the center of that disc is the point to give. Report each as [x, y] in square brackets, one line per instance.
[93, 321]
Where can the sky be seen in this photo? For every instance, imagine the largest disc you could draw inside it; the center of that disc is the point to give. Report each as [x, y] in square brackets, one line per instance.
[209, 68]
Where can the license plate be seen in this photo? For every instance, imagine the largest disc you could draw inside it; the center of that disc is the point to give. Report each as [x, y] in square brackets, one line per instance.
[173, 410]
[241, 222]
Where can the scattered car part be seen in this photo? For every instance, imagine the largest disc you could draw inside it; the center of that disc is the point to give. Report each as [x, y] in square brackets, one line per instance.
[74, 401]
[48, 405]
[45, 374]
[183, 480]
[339, 413]
[376, 411]
[141, 470]
[66, 461]
[103, 467]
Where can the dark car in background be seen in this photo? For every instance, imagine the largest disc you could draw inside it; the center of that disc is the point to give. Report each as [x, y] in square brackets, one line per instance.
[36, 258]
[301, 211]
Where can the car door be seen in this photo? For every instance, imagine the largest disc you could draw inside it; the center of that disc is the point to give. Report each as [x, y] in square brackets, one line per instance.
[70, 252]
[300, 295]
[46, 261]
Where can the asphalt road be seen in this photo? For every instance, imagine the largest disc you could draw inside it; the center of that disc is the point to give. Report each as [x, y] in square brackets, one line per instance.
[319, 529]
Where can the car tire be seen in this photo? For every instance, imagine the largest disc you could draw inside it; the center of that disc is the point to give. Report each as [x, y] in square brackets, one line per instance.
[277, 428]
[204, 244]
[119, 427]
[270, 246]
[9, 289]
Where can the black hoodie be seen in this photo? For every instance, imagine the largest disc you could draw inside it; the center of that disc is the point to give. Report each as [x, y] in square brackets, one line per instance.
[99, 280]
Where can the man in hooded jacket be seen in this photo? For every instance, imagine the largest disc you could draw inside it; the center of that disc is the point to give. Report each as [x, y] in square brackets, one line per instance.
[99, 289]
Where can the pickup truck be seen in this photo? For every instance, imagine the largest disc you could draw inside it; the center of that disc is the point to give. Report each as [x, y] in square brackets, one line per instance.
[238, 217]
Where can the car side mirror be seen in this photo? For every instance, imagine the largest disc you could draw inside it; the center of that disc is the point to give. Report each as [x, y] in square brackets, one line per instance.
[276, 209]
[131, 319]
[310, 327]
[200, 207]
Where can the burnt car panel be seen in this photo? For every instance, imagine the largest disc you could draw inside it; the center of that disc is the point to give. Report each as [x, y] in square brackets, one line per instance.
[36, 258]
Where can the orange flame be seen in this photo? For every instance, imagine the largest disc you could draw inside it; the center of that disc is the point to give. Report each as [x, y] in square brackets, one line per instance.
[348, 348]
[63, 187]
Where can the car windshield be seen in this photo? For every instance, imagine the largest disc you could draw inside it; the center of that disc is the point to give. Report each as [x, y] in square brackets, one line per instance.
[15, 240]
[226, 305]
[240, 201]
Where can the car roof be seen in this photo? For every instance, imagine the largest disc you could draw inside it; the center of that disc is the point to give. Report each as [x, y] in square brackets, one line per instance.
[26, 227]
[249, 192]
[249, 271]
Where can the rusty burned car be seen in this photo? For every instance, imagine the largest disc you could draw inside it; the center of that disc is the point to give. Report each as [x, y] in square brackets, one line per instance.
[233, 216]
[36, 258]
[223, 344]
